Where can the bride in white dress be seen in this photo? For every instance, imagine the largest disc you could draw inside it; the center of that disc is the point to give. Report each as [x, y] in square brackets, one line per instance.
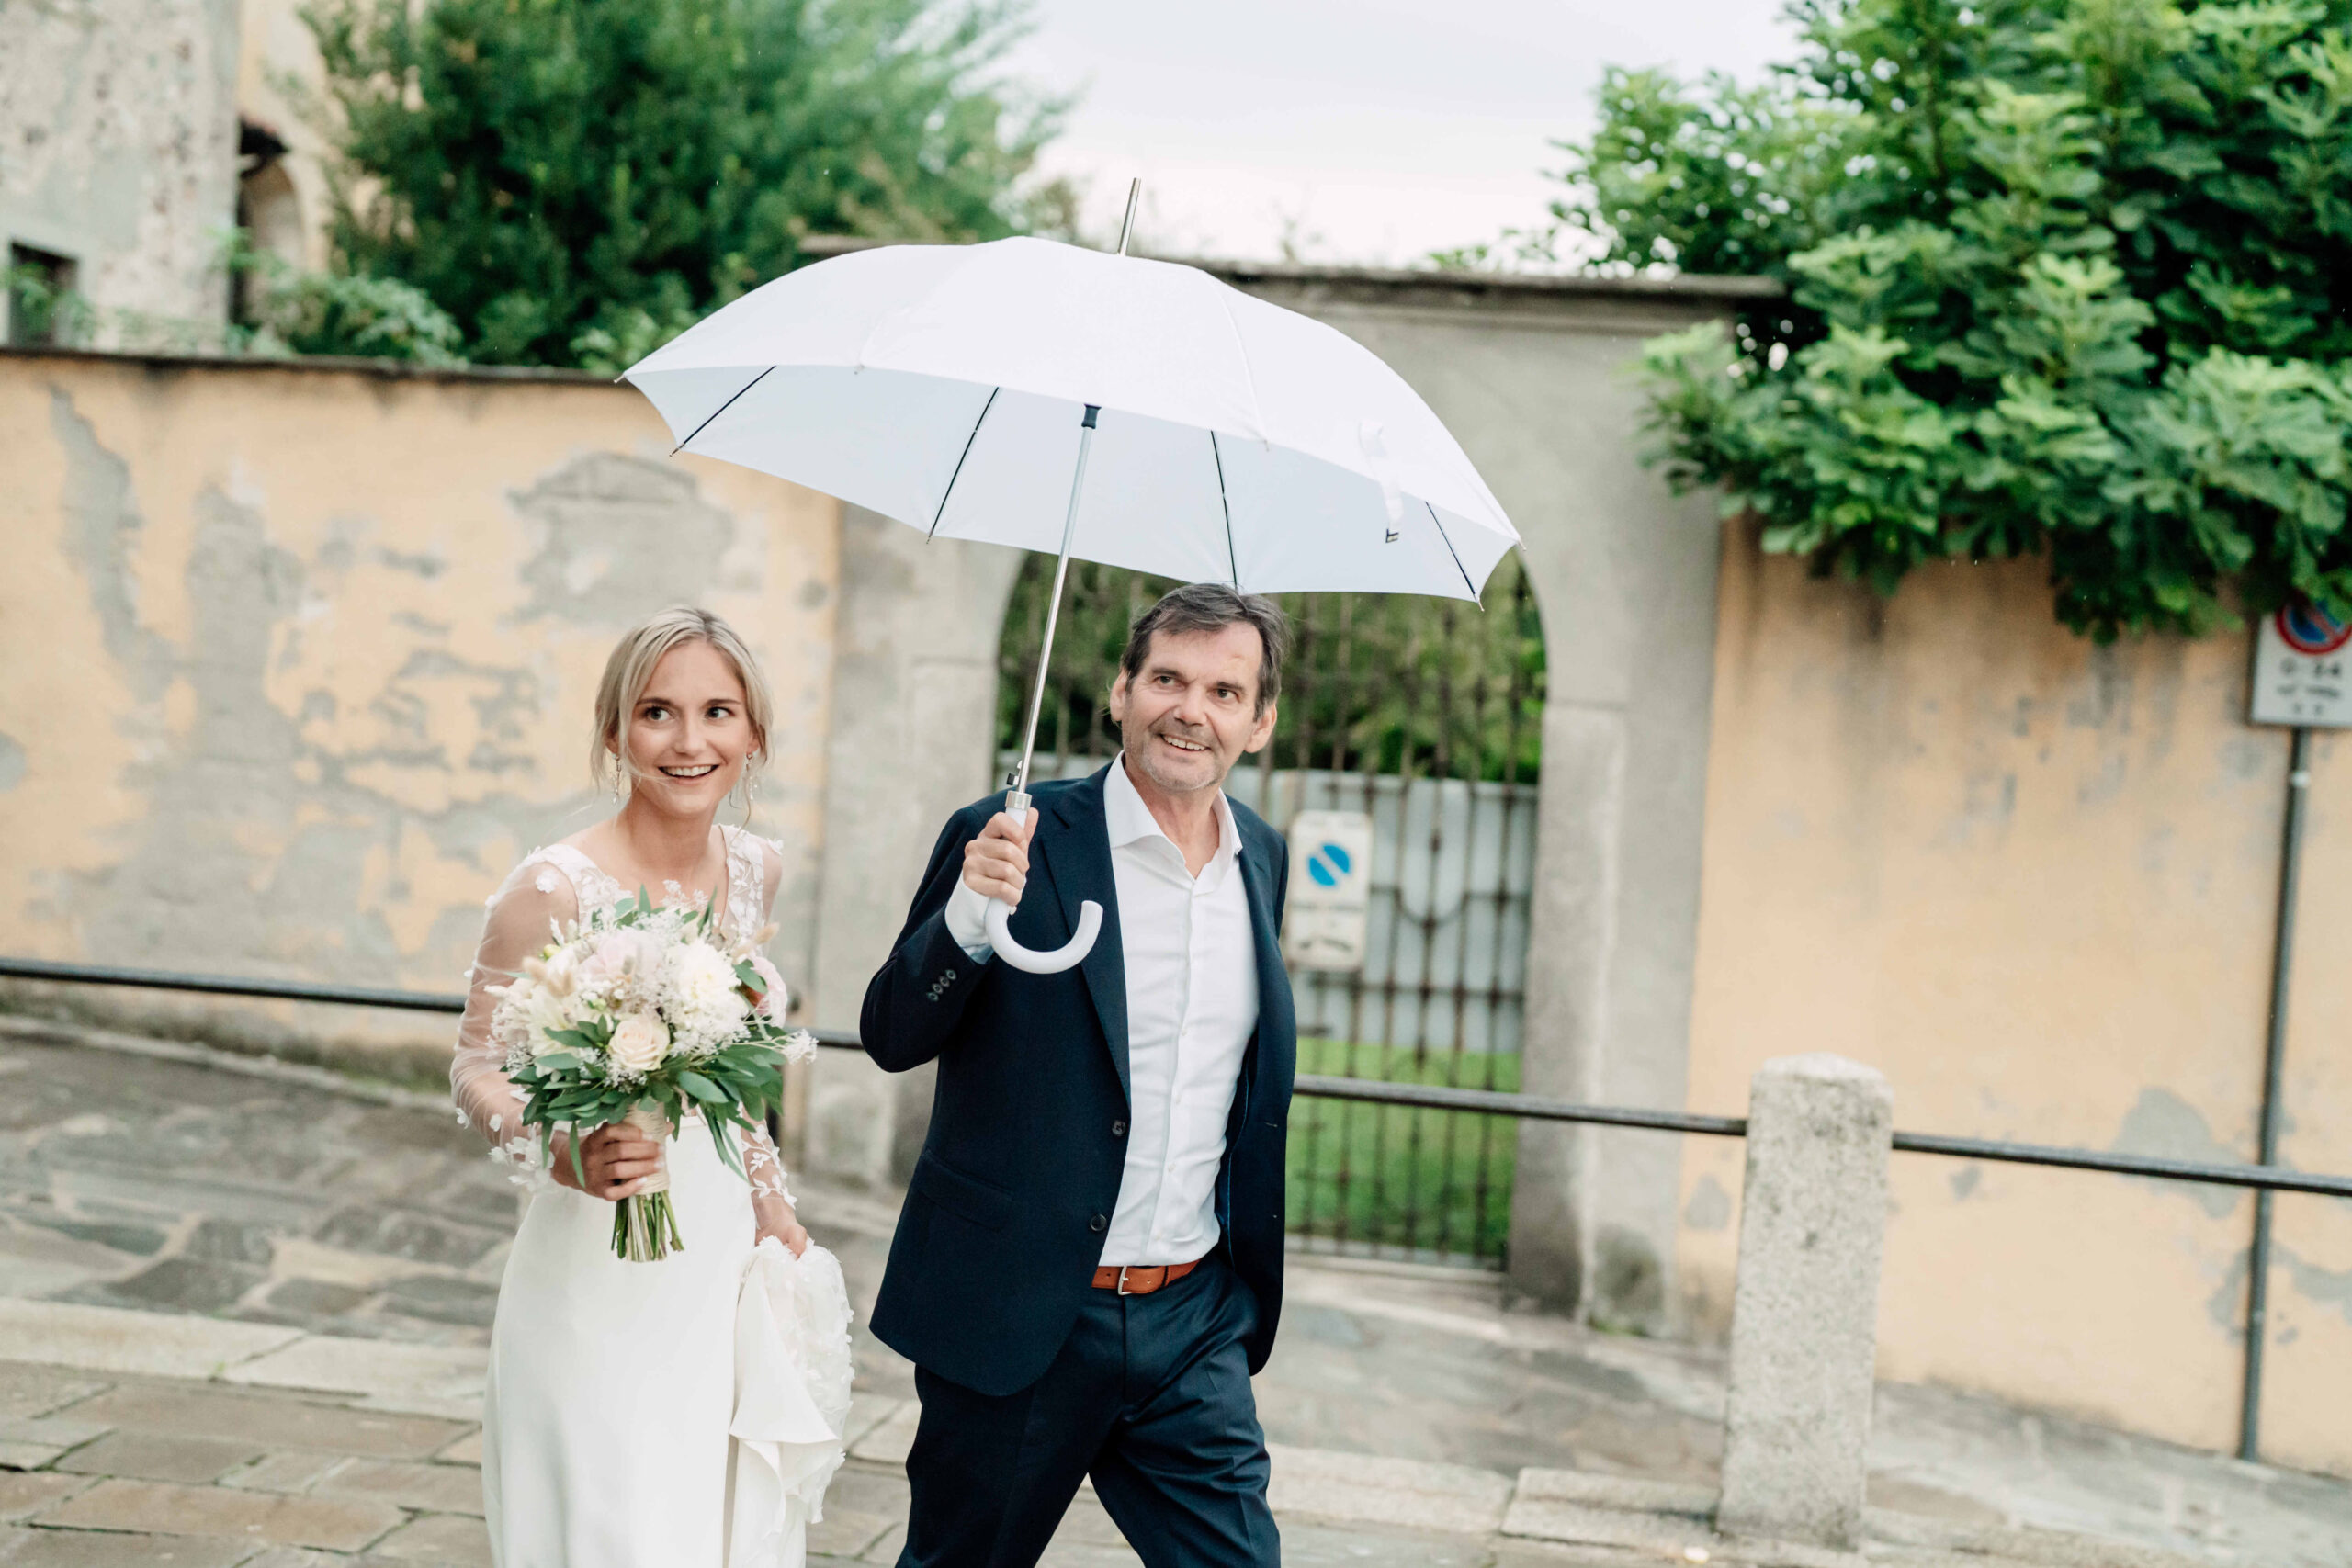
[612, 1383]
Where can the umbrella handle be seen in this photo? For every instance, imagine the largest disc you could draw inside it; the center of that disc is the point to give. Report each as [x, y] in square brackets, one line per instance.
[1089, 926]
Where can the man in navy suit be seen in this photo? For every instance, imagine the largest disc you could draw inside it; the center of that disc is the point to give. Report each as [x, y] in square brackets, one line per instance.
[1089, 1266]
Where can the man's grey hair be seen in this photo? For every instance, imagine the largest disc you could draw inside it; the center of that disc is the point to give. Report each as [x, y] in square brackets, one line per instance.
[1212, 608]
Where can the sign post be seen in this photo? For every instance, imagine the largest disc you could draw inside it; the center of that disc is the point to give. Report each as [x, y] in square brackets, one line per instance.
[2303, 679]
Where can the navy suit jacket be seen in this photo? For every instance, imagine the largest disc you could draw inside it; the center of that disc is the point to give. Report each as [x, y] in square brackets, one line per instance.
[1005, 1216]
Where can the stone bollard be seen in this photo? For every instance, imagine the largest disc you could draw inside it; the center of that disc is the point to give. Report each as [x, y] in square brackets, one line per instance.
[1805, 1303]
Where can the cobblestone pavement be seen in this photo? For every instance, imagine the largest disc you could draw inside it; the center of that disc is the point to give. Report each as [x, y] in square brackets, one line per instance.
[282, 1209]
[155, 1471]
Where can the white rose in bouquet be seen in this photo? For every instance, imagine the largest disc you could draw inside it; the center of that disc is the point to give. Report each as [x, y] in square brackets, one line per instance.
[701, 998]
[623, 968]
[640, 1044]
[543, 1011]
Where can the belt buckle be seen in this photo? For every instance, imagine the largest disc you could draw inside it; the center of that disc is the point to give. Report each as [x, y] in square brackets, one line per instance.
[1122, 1282]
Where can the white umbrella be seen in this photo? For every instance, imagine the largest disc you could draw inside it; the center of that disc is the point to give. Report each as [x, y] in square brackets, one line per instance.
[973, 391]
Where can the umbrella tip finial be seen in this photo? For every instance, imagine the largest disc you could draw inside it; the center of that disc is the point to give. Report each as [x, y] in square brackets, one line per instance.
[1128, 224]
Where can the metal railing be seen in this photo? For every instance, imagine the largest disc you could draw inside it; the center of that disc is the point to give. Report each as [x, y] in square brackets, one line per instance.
[1425, 1097]
[2262, 1178]
[1535, 1109]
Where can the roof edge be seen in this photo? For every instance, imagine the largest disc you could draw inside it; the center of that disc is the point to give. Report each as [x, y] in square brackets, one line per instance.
[1510, 285]
[312, 364]
[1568, 285]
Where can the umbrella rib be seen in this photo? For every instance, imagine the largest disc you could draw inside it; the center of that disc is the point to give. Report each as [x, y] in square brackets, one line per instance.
[721, 409]
[1249, 372]
[1475, 597]
[966, 452]
[1227, 501]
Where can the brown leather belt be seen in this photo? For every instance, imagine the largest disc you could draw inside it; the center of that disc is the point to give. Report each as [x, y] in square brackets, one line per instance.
[1140, 1279]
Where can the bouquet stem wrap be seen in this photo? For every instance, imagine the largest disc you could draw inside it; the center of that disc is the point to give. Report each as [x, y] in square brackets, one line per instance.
[645, 1227]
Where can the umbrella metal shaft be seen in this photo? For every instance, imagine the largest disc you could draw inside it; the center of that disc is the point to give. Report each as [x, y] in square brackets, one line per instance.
[1017, 801]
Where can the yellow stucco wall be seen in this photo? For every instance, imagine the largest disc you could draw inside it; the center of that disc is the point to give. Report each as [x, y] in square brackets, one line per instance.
[2032, 881]
[300, 660]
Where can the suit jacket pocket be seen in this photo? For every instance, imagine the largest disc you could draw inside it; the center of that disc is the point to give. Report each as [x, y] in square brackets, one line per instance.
[985, 1205]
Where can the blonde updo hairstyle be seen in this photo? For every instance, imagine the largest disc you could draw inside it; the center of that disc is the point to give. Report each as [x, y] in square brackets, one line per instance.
[630, 670]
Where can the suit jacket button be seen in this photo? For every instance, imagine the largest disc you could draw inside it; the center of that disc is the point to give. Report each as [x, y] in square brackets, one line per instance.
[1098, 1224]
[1118, 1129]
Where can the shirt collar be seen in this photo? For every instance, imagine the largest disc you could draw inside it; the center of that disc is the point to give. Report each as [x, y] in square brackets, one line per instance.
[1129, 820]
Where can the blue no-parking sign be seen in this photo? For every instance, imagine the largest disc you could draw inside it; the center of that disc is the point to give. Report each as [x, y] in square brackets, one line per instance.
[1330, 889]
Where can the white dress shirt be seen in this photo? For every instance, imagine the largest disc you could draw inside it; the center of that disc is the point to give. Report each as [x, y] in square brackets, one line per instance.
[1192, 966]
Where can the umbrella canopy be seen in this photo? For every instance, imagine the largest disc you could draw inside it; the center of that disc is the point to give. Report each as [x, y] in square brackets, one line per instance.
[943, 386]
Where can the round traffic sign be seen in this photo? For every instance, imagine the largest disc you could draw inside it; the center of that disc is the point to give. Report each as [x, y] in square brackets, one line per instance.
[2307, 628]
[1328, 864]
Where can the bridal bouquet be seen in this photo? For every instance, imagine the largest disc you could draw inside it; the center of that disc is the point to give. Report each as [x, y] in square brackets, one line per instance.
[637, 1014]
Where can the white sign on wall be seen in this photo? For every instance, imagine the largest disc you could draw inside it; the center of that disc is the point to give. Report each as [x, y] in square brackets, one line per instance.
[2303, 669]
[1329, 902]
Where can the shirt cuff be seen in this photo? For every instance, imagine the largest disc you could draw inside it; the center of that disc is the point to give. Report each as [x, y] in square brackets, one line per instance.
[967, 921]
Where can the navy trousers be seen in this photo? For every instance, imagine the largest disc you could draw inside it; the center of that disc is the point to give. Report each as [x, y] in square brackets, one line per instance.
[1150, 1396]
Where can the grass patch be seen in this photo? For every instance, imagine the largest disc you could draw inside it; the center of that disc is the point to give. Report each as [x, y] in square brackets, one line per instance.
[1399, 1176]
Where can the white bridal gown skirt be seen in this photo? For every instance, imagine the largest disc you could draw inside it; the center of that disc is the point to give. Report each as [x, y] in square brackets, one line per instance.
[605, 1428]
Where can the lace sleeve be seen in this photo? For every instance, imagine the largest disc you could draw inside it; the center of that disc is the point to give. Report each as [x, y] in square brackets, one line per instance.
[771, 1201]
[533, 899]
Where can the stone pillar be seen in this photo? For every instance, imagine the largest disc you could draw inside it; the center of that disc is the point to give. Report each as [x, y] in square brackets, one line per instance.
[1571, 939]
[1805, 1306]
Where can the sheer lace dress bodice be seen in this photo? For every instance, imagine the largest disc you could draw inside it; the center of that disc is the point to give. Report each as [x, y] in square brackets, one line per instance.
[546, 891]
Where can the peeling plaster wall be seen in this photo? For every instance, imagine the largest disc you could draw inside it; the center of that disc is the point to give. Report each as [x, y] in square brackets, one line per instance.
[119, 146]
[2032, 881]
[300, 660]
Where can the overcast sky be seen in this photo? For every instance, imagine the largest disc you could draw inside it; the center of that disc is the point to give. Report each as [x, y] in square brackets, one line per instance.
[1373, 130]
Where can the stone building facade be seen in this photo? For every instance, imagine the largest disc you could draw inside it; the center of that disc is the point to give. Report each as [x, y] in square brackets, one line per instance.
[134, 136]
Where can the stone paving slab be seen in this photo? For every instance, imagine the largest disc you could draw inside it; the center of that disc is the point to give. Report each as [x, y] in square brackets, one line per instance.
[152, 1456]
[456, 1544]
[426, 1488]
[28, 1392]
[433, 1380]
[83, 1549]
[163, 1507]
[284, 1473]
[268, 1420]
[112, 1339]
[1368, 1490]
[23, 1496]
[890, 1437]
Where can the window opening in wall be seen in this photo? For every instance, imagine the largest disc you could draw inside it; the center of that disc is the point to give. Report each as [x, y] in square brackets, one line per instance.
[40, 284]
[270, 215]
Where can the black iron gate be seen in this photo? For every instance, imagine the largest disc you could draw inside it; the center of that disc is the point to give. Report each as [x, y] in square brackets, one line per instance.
[1424, 714]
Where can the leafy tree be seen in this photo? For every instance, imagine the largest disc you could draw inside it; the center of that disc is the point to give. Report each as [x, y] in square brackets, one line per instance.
[288, 310]
[281, 310]
[1381, 682]
[576, 181]
[2066, 276]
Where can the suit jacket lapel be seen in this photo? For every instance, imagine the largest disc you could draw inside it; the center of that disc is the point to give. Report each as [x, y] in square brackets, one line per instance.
[1274, 1020]
[1079, 864]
